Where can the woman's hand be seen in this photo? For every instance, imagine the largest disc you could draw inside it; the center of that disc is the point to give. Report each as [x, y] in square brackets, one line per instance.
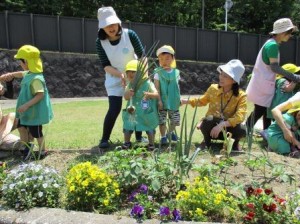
[289, 87]
[214, 133]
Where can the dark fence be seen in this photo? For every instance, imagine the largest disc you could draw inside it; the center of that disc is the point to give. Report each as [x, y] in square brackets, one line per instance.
[68, 34]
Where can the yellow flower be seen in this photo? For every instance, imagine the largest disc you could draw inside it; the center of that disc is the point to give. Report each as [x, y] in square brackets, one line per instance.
[106, 202]
[85, 183]
[199, 211]
[117, 191]
[72, 188]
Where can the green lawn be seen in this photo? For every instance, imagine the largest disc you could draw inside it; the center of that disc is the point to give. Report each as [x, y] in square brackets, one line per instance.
[79, 125]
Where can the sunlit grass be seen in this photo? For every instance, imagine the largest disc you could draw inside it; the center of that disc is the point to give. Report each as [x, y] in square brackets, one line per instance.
[79, 124]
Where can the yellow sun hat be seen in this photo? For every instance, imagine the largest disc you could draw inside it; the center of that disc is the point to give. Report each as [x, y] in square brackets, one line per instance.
[32, 55]
[294, 109]
[290, 68]
[132, 65]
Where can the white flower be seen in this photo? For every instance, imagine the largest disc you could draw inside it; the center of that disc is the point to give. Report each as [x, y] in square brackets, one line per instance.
[297, 213]
[45, 185]
[40, 194]
[11, 186]
[56, 185]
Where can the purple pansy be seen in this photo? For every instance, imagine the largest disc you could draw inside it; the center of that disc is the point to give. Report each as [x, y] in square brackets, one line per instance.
[132, 196]
[164, 211]
[137, 210]
[143, 189]
[176, 215]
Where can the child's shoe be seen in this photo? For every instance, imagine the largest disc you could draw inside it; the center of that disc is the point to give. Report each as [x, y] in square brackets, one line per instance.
[164, 140]
[43, 154]
[151, 147]
[126, 145]
[142, 140]
[173, 136]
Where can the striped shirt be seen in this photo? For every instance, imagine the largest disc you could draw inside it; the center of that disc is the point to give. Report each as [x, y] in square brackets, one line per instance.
[135, 41]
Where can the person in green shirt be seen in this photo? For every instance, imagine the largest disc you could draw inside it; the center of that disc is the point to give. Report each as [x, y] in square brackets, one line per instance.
[33, 105]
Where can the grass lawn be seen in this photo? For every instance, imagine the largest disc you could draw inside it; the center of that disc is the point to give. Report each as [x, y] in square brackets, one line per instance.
[78, 125]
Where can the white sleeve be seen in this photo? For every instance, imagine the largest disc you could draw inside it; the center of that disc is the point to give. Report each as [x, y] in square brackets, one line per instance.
[294, 99]
[156, 76]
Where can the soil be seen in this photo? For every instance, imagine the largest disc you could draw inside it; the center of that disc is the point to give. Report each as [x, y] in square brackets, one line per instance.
[237, 173]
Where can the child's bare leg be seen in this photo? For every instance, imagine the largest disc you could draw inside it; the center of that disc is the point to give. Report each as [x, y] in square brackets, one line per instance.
[41, 142]
[172, 128]
[151, 137]
[163, 129]
[127, 136]
[24, 135]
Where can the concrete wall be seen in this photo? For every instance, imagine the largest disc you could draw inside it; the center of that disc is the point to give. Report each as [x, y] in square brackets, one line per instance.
[81, 75]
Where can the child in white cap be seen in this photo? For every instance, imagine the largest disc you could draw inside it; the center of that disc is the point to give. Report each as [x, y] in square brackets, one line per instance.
[261, 88]
[166, 80]
[33, 105]
[116, 46]
[227, 105]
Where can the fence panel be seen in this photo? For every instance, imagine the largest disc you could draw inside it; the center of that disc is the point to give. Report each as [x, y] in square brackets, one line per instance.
[3, 42]
[228, 48]
[186, 39]
[207, 47]
[248, 48]
[44, 39]
[71, 34]
[165, 35]
[90, 32]
[19, 28]
[145, 33]
[288, 51]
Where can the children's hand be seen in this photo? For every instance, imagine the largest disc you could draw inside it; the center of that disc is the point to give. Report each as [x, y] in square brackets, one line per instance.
[23, 108]
[146, 95]
[131, 92]
[160, 105]
[7, 77]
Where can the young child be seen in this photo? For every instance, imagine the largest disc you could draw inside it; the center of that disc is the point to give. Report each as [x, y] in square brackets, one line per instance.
[285, 88]
[166, 81]
[276, 140]
[141, 113]
[33, 105]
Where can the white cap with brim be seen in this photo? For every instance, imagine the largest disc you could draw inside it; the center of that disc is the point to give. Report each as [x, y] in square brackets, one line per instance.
[234, 68]
[283, 25]
[165, 49]
[107, 16]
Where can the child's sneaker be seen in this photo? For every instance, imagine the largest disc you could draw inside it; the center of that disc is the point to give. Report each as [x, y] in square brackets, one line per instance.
[173, 136]
[142, 140]
[151, 147]
[43, 154]
[164, 141]
[126, 145]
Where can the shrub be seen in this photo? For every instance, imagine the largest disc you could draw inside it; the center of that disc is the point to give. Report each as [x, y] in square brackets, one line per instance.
[203, 200]
[3, 173]
[263, 206]
[31, 185]
[89, 188]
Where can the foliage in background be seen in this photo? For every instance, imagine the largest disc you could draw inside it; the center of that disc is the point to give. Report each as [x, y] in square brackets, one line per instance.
[31, 185]
[245, 15]
[89, 189]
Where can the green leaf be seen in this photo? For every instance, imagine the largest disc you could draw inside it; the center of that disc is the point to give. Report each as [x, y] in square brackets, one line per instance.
[155, 184]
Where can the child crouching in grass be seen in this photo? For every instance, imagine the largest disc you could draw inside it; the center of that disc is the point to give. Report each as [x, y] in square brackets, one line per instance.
[33, 105]
[276, 138]
[141, 112]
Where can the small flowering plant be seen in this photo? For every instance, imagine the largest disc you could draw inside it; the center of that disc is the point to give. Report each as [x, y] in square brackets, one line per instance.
[263, 206]
[204, 200]
[89, 188]
[3, 173]
[31, 185]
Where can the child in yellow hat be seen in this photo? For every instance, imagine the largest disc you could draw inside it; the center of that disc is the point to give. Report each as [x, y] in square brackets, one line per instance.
[33, 105]
[276, 139]
[141, 111]
[166, 80]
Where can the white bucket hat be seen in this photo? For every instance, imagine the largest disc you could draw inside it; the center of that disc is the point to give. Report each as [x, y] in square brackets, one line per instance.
[283, 25]
[234, 68]
[107, 16]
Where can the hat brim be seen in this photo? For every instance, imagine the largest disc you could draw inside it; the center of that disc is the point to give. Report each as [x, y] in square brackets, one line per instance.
[292, 110]
[164, 50]
[295, 29]
[228, 71]
[109, 21]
